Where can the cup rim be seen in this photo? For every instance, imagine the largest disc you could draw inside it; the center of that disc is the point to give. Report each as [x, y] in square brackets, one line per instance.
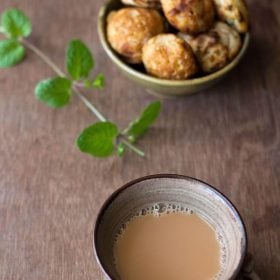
[158, 81]
[112, 197]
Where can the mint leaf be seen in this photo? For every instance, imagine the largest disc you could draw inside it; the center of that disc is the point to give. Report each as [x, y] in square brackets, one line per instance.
[15, 23]
[98, 139]
[54, 92]
[121, 149]
[99, 81]
[132, 138]
[79, 60]
[11, 53]
[140, 126]
[87, 83]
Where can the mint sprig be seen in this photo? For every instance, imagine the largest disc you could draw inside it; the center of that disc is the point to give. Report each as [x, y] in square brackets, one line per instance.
[100, 139]
[14, 24]
[91, 138]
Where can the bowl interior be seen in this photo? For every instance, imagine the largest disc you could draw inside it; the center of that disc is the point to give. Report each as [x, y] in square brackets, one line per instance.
[165, 192]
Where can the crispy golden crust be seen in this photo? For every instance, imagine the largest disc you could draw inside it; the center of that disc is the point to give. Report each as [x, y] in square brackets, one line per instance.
[234, 12]
[215, 48]
[143, 3]
[129, 28]
[210, 53]
[190, 16]
[229, 37]
[169, 57]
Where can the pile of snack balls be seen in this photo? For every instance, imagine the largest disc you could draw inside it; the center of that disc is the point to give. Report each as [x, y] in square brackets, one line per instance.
[178, 39]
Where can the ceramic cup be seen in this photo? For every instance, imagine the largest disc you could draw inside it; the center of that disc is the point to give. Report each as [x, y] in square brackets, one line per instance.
[165, 190]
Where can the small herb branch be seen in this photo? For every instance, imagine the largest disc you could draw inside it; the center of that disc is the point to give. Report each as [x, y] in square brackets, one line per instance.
[100, 139]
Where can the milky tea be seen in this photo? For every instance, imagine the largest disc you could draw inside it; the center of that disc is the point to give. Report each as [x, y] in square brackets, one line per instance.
[170, 245]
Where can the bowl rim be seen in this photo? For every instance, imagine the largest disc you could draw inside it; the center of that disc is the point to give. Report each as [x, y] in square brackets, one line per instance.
[158, 81]
[225, 199]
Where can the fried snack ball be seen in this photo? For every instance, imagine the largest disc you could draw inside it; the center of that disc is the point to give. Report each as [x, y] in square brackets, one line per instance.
[234, 12]
[169, 57]
[143, 3]
[129, 28]
[229, 37]
[190, 16]
[210, 53]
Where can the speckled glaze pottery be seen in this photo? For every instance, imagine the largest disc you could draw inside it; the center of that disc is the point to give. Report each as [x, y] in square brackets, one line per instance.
[156, 86]
[165, 190]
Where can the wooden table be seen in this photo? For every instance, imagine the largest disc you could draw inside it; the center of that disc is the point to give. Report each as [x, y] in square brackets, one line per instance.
[50, 193]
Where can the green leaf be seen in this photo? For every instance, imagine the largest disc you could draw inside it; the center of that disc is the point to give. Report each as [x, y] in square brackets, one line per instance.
[79, 60]
[140, 126]
[15, 23]
[121, 149]
[132, 139]
[54, 92]
[11, 53]
[87, 83]
[99, 81]
[98, 139]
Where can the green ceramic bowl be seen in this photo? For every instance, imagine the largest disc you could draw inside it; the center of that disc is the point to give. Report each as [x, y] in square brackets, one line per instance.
[161, 87]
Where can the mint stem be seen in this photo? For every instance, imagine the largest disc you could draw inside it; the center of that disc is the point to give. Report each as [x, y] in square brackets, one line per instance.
[59, 72]
[44, 57]
[133, 148]
[79, 85]
[90, 106]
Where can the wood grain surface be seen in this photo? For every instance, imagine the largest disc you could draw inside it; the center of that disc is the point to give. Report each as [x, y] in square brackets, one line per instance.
[50, 193]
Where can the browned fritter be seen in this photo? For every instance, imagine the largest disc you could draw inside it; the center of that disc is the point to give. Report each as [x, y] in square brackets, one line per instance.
[215, 48]
[189, 16]
[229, 37]
[129, 28]
[234, 12]
[143, 3]
[210, 53]
[167, 56]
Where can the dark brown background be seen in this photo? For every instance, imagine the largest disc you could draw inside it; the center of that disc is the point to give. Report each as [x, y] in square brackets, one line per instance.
[50, 193]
